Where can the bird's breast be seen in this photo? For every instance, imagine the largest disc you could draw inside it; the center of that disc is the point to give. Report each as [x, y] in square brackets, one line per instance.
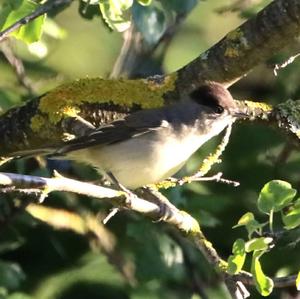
[148, 158]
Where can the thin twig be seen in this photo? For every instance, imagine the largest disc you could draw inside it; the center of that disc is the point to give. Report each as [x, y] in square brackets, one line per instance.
[279, 282]
[48, 185]
[284, 64]
[18, 67]
[204, 168]
[111, 214]
[45, 8]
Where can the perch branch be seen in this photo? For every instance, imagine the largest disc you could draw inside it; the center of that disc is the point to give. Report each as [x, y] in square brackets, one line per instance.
[174, 217]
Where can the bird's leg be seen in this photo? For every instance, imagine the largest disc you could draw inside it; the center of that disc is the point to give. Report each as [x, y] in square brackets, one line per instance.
[129, 193]
[165, 206]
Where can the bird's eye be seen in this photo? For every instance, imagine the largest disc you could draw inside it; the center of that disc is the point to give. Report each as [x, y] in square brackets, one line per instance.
[219, 109]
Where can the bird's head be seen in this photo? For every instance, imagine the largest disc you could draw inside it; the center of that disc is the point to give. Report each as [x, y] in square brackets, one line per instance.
[216, 100]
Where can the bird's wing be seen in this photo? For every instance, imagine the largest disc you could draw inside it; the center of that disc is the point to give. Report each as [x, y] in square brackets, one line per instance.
[131, 126]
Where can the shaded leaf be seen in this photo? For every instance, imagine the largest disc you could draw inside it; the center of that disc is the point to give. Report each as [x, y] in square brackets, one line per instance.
[236, 261]
[19, 296]
[292, 218]
[179, 6]
[151, 21]
[11, 275]
[89, 10]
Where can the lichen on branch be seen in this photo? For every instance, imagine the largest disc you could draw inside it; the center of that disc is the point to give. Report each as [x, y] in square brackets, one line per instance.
[40, 121]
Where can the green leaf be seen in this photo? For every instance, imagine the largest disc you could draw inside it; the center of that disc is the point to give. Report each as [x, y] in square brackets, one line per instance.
[255, 244]
[145, 2]
[11, 275]
[298, 281]
[5, 10]
[245, 219]
[38, 49]
[151, 21]
[236, 261]
[19, 296]
[275, 195]
[52, 29]
[250, 223]
[116, 13]
[30, 32]
[292, 218]
[91, 2]
[263, 283]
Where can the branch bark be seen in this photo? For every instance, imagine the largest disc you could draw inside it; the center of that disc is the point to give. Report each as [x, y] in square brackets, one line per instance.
[41, 122]
[152, 207]
[271, 30]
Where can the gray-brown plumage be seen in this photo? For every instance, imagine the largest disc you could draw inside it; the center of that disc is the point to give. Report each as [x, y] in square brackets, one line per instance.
[147, 146]
[150, 145]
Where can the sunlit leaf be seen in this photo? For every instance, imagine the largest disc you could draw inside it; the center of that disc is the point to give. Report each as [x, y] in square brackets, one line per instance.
[298, 281]
[263, 283]
[91, 2]
[261, 243]
[250, 223]
[145, 2]
[30, 32]
[236, 261]
[38, 49]
[52, 29]
[275, 195]
[116, 13]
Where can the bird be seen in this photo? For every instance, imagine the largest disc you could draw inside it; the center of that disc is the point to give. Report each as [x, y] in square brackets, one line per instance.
[150, 145]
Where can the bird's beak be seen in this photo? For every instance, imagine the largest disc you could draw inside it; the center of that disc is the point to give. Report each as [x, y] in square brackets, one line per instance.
[239, 114]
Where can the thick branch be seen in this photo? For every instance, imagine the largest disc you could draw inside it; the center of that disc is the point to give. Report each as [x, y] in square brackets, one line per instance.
[41, 122]
[255, 41]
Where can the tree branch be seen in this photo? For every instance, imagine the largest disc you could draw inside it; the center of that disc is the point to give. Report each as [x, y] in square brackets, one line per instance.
[45, 8]
[158, 208]
[279, 282]
[41, 121]
[271, 30]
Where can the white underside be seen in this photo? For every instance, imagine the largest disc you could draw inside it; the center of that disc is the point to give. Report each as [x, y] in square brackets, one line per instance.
[148, 158]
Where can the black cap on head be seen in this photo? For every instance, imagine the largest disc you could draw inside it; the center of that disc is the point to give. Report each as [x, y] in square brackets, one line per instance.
[213, 95]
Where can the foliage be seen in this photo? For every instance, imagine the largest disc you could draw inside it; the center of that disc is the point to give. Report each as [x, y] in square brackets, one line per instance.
[276, 196]
[38, 261]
